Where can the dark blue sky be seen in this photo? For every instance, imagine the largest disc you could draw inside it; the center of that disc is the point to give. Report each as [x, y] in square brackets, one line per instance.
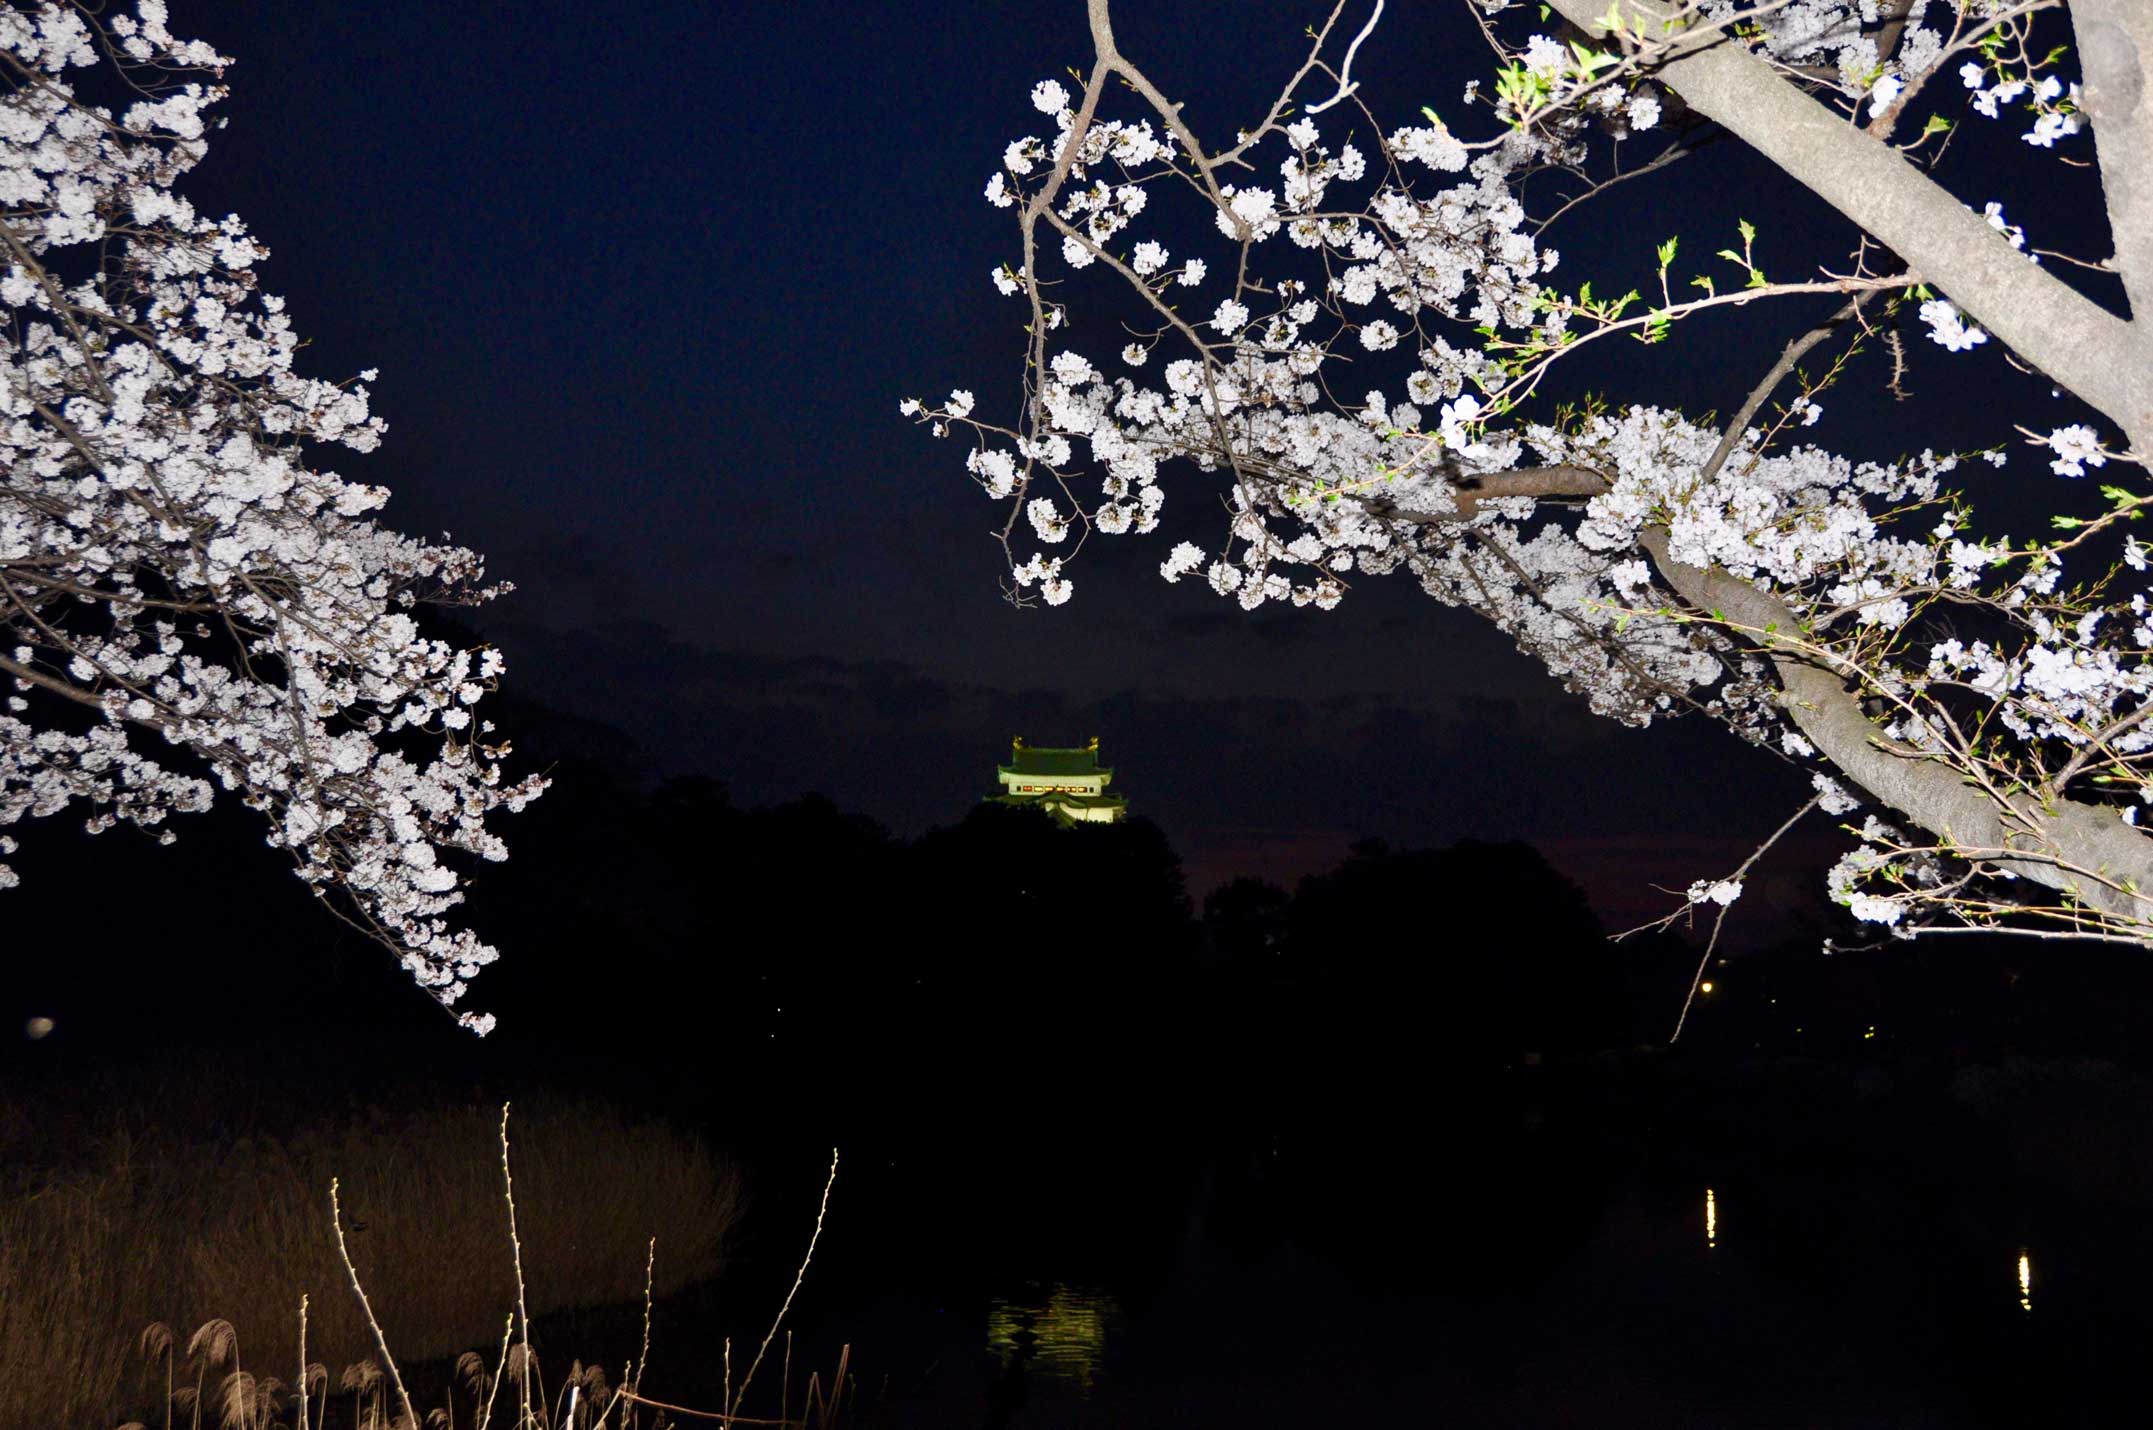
[645, 284]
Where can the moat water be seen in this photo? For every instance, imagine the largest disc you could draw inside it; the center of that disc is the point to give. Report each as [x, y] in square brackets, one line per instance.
[1780, 1244]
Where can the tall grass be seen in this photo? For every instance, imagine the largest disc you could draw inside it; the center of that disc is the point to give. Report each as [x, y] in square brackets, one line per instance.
[184, 1234]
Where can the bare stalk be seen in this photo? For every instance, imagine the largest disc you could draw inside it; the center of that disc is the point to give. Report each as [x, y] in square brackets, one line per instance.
[302, 1361]
[381, 1343]
[650, 1268]
[733, 1405]
[508, 1329]
[508, 1182]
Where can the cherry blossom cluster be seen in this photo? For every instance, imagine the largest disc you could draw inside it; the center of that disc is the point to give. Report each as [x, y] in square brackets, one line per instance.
[1349, 331]
[188, 605]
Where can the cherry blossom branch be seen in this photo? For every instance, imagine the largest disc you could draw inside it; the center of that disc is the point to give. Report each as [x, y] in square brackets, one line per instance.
[2083, 347]
[2102, 862]
[1534, 366]
[1719, 919]
[1959, 42]
[1538, 483]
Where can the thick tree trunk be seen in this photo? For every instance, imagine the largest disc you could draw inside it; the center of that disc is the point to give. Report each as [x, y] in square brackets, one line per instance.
[2115, 51]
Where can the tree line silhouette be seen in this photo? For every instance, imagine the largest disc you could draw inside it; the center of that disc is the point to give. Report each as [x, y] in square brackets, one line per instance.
[659, 935]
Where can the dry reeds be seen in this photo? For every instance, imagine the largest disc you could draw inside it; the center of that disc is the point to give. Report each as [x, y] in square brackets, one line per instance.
[164, 1236]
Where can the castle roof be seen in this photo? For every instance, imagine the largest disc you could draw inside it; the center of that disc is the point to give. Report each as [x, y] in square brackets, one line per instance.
[1045, 760]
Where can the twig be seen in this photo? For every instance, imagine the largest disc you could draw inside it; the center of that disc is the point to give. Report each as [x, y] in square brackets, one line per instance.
[1346, 84]
[1721, 918]
[1679, 150]
[722, 1417]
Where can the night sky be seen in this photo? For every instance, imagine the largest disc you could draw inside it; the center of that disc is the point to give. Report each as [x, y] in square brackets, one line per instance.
[645, 284]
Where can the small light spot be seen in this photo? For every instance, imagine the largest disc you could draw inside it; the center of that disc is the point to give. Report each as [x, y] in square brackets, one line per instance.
[1705, 987]
[37, 1028]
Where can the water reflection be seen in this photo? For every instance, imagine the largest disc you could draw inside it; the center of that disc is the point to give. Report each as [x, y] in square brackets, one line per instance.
[2025, 1282]
[1062, 1333]
[1711, 1218]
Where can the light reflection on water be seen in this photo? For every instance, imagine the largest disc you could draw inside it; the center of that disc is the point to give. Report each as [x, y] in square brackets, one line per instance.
[1711, 1218]
[2025, 1282]
[1060, 1331]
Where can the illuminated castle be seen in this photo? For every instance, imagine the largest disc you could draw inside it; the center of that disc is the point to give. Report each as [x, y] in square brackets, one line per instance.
[1068, 784]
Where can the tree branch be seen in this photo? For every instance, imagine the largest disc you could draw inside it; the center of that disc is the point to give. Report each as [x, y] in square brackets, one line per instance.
[2083, 850]
[1794, 353]
[1564, 480]
[2085, 348]
[31, 676]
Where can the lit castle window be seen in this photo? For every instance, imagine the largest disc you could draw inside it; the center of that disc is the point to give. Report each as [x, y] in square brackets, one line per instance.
[1068, 784]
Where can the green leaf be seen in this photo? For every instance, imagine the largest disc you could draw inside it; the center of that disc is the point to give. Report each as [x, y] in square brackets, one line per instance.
[1732, 257]
[1591, 61]
[1748, 229]
[1667, 252]
[2065, 523]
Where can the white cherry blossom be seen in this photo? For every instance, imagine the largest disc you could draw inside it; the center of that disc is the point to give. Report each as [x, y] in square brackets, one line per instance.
[189, 607]
[1377, 396]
